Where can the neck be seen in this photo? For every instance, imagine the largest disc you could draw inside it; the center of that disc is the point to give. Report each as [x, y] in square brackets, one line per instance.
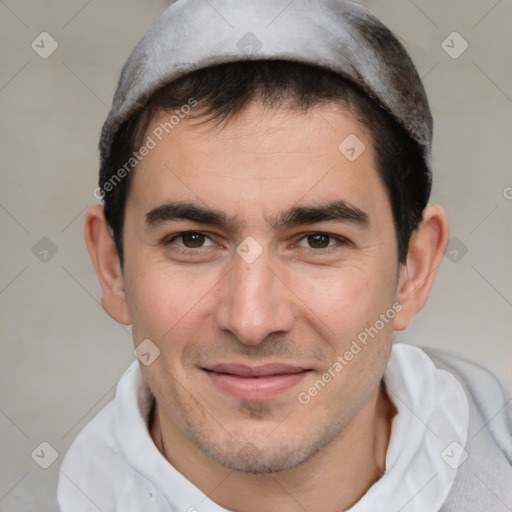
[334, 479]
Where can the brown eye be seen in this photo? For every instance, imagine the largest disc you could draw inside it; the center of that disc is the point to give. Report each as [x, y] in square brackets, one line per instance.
[318, 241]
[193, 240]
[322, 242]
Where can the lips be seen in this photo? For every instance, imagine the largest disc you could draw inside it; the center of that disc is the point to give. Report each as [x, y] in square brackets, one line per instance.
[240, 370]
[255, 383]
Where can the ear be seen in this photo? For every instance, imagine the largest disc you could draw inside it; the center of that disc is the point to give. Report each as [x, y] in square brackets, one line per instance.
[105, 259]
[426, 248]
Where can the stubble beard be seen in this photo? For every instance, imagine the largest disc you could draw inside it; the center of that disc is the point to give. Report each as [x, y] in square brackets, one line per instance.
[262, 452]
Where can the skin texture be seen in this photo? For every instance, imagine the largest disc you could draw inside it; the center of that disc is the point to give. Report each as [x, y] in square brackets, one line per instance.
[298, 303]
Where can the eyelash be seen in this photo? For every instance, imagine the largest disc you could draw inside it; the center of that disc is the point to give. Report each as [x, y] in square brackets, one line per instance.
[341, 242]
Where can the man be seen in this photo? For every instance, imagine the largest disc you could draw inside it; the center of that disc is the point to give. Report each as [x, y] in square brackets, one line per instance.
[265, 229]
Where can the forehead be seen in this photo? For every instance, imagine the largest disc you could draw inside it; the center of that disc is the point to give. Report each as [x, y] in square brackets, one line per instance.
[261, 161]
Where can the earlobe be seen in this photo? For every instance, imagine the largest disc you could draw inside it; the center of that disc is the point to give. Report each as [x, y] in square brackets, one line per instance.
[426, 249]
[105, 259]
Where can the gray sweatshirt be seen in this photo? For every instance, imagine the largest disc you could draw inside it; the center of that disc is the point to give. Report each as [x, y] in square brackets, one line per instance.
[484, 482]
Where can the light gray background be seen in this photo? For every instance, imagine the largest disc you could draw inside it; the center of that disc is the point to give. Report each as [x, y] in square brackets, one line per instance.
[61, 355]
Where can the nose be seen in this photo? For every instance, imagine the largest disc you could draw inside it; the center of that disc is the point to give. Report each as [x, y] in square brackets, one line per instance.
[254, 301]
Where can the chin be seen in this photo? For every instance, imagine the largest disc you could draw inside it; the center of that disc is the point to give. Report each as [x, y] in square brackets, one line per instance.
[262, 454]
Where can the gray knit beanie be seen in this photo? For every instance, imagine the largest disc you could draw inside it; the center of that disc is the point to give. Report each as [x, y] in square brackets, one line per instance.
[338, 35]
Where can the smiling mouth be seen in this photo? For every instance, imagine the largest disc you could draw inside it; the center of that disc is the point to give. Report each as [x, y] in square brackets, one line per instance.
[255, 383]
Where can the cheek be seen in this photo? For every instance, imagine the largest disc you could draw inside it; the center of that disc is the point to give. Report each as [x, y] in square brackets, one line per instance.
[340, 297]
[149, 297]
[342, 303]
[164, 300]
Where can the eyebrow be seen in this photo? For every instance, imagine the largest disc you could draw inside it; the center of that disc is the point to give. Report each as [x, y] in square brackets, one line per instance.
[334, 211]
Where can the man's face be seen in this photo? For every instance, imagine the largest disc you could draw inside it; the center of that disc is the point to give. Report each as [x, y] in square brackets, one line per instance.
[242, 338]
